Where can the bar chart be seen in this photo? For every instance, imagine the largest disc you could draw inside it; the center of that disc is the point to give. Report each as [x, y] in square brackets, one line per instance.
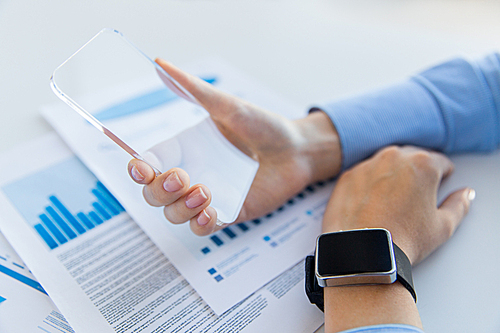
[68, 226]
[271, 231]
[61, 206]
[233, 232]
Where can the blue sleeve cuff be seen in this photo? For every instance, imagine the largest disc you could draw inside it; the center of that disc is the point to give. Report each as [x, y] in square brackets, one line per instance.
[453, 107]
[400, 114]
[465, 93]
[389, 328]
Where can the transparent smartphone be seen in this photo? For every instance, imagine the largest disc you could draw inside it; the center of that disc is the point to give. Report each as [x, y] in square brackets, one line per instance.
[133, 101]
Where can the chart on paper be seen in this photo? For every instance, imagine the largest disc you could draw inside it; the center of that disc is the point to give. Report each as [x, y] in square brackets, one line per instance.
[203, 247]
[57, 212]
[236, 247]
[12, 266]
[25, 298]
[112, 278]
[225, 262]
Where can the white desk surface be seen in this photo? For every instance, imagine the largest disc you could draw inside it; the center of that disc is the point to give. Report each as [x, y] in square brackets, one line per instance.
[308, 51]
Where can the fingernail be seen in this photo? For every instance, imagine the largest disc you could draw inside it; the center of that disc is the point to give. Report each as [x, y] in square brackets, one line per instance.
[196, 198]
[172, 183]
[471, 195]
[203, 218]
[136, 174]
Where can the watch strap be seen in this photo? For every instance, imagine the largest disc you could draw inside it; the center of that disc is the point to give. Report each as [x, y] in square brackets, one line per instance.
[313, 291]
[403, 266]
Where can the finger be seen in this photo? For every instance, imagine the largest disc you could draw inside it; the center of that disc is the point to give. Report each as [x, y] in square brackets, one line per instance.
[205, 222]
[452, 211]
[167, 188]
[140, 172]
[440, 162]
[443, 163]
[175, 88]
[217, 103]
[189, 205]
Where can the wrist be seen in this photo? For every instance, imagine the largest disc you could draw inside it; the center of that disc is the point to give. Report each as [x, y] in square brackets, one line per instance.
[320, 146]
[365, 273]
[355, 306]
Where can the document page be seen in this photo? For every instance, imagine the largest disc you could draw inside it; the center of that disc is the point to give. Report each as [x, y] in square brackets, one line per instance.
[235, 261]
[24, 304]
[102, 271]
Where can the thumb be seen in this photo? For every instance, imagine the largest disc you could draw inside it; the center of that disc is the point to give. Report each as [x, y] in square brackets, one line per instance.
[453, 209]
[217, 103]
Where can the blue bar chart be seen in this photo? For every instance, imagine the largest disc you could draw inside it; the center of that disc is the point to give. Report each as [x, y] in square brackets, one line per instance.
[233, 232]
[63, 207]
[270, 236]
[220, 238]
[58, 224]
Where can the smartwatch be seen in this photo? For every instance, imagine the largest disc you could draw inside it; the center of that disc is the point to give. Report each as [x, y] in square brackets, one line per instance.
[356, 257]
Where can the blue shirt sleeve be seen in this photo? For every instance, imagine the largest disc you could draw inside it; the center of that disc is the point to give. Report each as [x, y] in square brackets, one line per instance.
[453, 107]
[390, 328]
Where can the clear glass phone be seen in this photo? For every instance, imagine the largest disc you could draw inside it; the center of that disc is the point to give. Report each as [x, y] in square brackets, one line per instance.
[133, 101]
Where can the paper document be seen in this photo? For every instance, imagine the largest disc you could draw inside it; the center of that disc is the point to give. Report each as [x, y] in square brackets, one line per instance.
[24, 304]
[236, 261]
[102, 271]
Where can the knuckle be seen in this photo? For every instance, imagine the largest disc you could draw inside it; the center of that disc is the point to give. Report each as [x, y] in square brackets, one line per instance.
[387, 157]
[173, 214]
[424, 162]
[205, 230]
[349, 176]
[422, 158]
[150, 197]
[465, 206]
[448, 226]
[346, 175]
[390, 152]
[156, 197]
[448, 229]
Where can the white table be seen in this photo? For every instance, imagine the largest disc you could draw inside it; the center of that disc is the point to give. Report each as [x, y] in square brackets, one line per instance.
[308, 51]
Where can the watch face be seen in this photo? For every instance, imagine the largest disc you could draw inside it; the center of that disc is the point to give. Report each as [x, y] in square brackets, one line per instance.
[354, 252]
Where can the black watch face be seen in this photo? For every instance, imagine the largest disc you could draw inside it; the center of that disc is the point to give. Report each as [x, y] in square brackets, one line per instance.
[354, 252]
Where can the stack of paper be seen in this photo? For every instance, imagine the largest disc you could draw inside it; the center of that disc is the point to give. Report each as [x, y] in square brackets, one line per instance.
[111, 263]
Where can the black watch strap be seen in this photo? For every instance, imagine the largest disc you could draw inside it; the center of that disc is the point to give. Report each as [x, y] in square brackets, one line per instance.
[315, 293]
[403, 265]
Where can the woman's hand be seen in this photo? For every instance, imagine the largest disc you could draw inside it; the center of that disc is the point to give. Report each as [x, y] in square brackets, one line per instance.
[396, 189]
[292, 154]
